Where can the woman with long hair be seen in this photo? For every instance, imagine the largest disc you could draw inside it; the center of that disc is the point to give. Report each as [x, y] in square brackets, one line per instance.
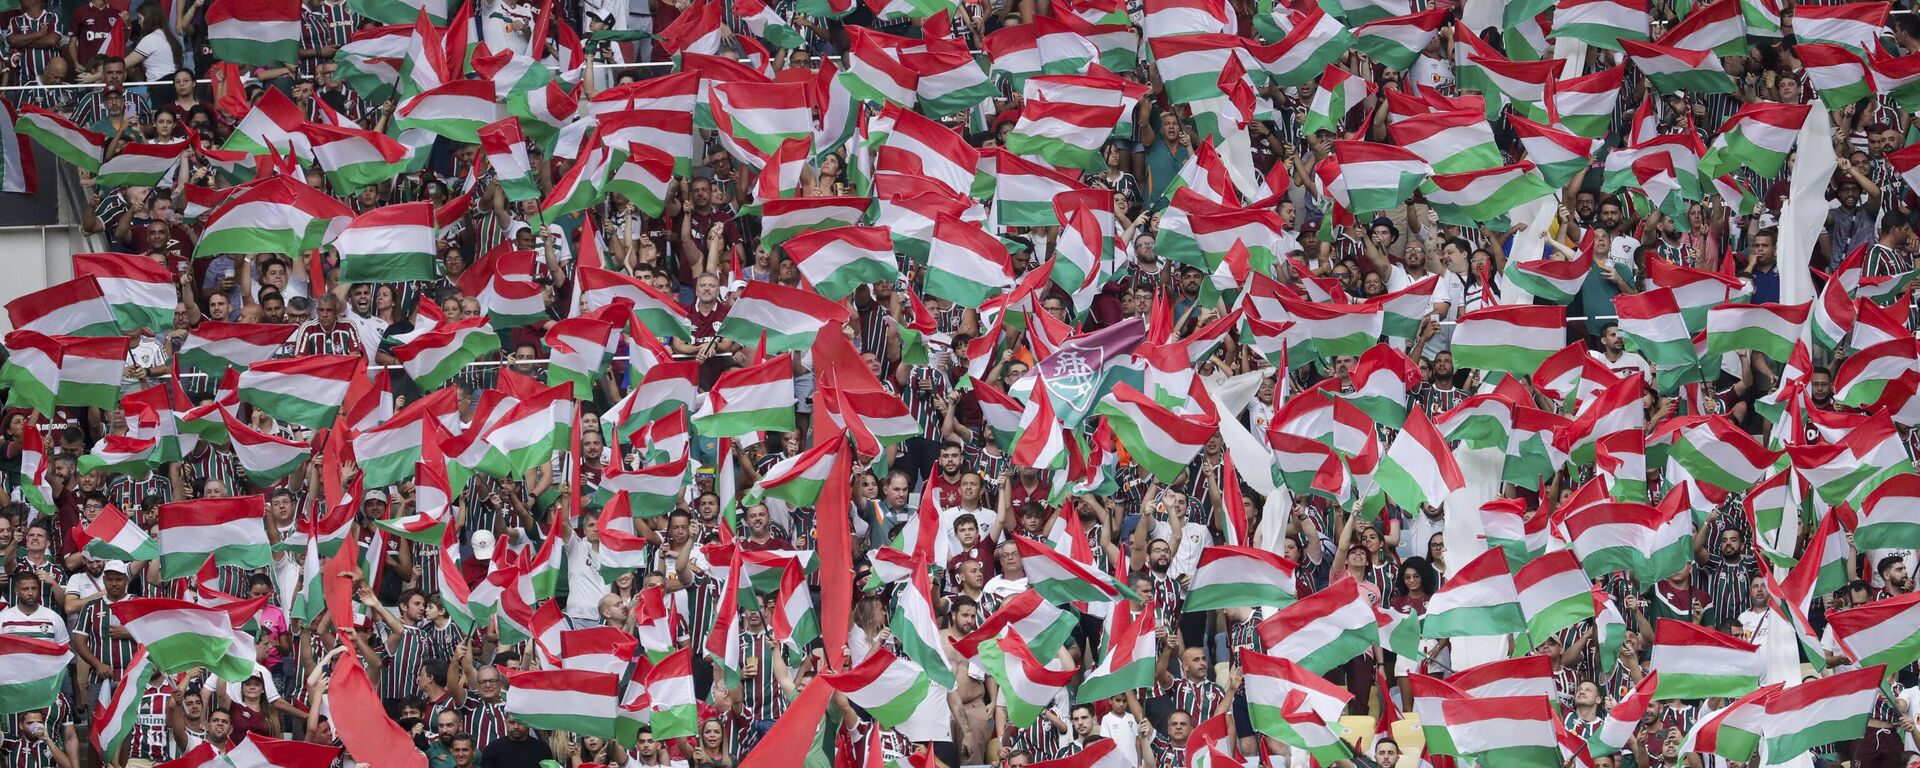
[155, 50]
[186, 97]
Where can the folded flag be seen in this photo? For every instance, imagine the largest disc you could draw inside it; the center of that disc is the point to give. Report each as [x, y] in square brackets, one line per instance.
[1027, 685]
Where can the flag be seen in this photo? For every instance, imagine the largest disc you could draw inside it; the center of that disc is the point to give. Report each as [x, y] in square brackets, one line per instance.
[1601, 23]
[266, 458]
[1514, 338]
[1820, 712]
[1063, 580]
[1890, 515]
[118, 708]
[17, 172]
[659, 313]
[389, 244]
[1316, 41]
[1398, 41]
[1159, 440]
[754, 119]
[1418, 468]
[1190, 65]
[1479, 599]
[888, 688]
[227, 530]
[1622, 719]
[1452, 142]
[1240, 577]
[32, 673]
[1130, 659]
[179, 635]
[362, 723]
[1732, 731]
[141, 291]
[1374, 177]
[1838, 74]
[1853, 26]
[1484, 195]
[1504, 731]
[85, 149]
[140, 165]
[1770, 329]
[1027, 686]
[1697, 663]
[839, 260]
[1323, 630]
[1338, 93]
[260, 33]
[782, 318]
[575, 700]
[307, 391]
[278, 215]
[758, 397]
[1554, 594]
[1879, 633]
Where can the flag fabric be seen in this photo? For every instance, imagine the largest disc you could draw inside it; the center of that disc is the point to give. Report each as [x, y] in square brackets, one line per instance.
[1240, 577]
[1504, 731]
[1838, 75]
[1515, 338]
[307, 391]
[265, 458]
[1770, 329]
[1853, 26]
[888, 688]
[140, 290]
[1879, 633]
[1820, 712]
[226, 530]
[215, 347]
[754, 119]
[111, 536]
[1339, 91]
[1159, 440]
[85, 149]
[755, 398]
[1605, 24]
[278, 215]
[1484, 195]
[1890, 515]
[575, 700]
[1323, 630]
[77, 307]
[1418, 468]
[1677, 69]
[32, 673]
[179, 635]
[783, 318]
[1697, 663]
[261, 33]
[456, 110]
[1479, 599]
[659, 313]
[839, 260]
[1554, 594]
[1129, 662]
[390, 244]
[1063, 580]
[788, 217]
[140, 165]
[17, 172]
[1616, 731]
[118, 709]
[1398, 41]
[1027, 685]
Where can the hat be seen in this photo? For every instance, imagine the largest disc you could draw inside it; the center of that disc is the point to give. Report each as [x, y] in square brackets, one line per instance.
[482, 542]
[942, 340]
[375, 495]
[114, 566]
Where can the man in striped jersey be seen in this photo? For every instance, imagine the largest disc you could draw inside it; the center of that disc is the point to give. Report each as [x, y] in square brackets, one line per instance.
[104, 647]
[486, 714]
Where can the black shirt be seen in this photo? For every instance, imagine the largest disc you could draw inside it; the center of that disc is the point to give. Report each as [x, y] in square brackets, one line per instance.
[506, 752]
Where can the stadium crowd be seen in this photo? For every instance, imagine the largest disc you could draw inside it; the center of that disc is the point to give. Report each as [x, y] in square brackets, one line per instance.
[962, 384]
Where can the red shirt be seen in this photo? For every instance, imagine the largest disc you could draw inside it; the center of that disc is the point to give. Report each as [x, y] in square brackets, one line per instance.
[949, 490]
[94, 29]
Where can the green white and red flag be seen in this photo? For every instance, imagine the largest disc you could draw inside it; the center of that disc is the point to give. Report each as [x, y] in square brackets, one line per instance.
[875, 72]
[580, 348]
[1820, 712]
[1605, 24]
[1190, 65]
[1129, 662]
[393, 243]
[1062, 580]
[1240, 577]
[307, 391]
[354, 159]
[1323, 630]
[85, 149]
[1677, 69]
[278, 215]
[1040, 444]
[140, 290]
[914, 145]
[117, 711]
[1759, 137]
[260, 33]
[1695, 662]
[111, 536]
[1479, 599]
[1890, 515]
[1027, 686]
[965, 264]
[140, 165]
[435, 357]
[1586, 104]
[1732, 731]
[888, 688]
[754, 119]
[656, 311]
[1338, 93]
[757, 398]
[31, 672]
[1558, 154]
[1853, 26]
[1316, 41]
[952, 80]
[643, 176]
[1719, 454]
[1024, 191]
[227, 530]
[1484, 195]
[506, 150]
[786, 218]
[1554, 594]
[1522, 85]
[1554, 279]
[1504, 731]
[1514, 338]
[1838, 75]
[1714, 27]
[1418, 468]
[780, 317]
[387, 453]
[455, 110]
[1770, 329]
[266, 458]
[1065, 134]
[1375, 177]
[667, 387]
[1170, 18]
[90, 370]
[1880, 633]
[1397, 42]
[179, 635]
[1159, 440]
[575, 700]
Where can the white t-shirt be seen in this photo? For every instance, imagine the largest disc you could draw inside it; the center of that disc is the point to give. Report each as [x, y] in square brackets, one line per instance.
[84, 585]
[156, 56]
[585, 587]
[42, 624]
[1125, 732]
[1754, 625]
[1432, 73]
[1628, 362]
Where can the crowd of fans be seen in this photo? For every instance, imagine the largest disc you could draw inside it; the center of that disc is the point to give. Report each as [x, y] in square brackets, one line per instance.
[447, 686]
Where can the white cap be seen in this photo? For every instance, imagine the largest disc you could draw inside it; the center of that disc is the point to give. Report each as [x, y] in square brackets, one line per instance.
[482, 541]
[114, 566]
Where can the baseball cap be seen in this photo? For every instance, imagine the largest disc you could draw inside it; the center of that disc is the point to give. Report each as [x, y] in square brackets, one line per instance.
[482, 542]
[114, 566]
[376, 495]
